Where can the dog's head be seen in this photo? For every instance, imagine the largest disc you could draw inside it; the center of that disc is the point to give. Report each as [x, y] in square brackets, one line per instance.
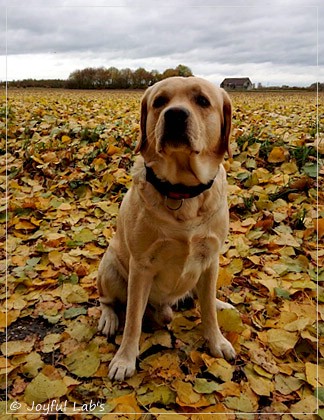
[187, 121]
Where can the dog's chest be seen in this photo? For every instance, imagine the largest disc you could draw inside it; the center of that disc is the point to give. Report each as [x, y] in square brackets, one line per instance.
[178, 266]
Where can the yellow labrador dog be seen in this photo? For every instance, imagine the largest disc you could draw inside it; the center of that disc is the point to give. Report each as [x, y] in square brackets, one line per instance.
[174, 219]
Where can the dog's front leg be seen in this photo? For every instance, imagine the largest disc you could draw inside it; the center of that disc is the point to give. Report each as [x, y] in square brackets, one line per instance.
[206, 290]
[138, 289]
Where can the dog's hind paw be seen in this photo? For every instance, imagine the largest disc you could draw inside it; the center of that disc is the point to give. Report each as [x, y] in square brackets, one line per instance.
[163, 315]
[108, 323]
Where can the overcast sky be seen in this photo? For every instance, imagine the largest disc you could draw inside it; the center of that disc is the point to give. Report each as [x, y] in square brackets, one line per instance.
[273, 42]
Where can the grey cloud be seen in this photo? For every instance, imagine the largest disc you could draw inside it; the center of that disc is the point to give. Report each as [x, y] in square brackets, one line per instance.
[148, 31]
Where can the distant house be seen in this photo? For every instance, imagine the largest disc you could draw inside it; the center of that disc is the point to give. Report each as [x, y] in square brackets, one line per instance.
[237, 83]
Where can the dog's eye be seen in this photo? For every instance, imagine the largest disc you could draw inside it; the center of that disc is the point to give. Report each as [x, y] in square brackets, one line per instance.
[160, 101]
[202, 101]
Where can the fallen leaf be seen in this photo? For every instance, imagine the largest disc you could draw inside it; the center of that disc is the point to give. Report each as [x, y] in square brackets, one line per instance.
[45, 387]
[15, 347]
[185, 394]
[277, 154]
[55, 257]
[126, 404]
[161, 338]
[219, 368]
[259, 384]
[83, 362]
[264, 360]
[165, 365]
[85, 235]
[306, 406]
[32, 364]
[51, 342]
[73, 293]
[230, 320]
[314, 374]
[287, 384]
[113, 150]
[281, 341]
[319, 227]
[203, 386]
[155, 394]
[80, 331]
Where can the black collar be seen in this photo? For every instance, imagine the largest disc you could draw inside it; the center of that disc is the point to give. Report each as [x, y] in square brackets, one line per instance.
[175, 191]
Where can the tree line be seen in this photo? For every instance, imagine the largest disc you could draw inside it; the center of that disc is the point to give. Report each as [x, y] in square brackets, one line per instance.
[113, 78]
[107, 78]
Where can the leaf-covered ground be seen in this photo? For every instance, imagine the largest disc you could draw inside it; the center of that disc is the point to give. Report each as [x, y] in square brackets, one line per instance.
[68, 158]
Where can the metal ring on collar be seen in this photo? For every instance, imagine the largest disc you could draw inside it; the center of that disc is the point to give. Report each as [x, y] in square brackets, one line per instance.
[171, 208]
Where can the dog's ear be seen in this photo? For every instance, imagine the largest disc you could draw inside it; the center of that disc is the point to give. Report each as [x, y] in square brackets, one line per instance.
[142, 140]
[226, 124]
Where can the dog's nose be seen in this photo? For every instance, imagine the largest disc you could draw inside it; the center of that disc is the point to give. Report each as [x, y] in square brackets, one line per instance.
[176, 117]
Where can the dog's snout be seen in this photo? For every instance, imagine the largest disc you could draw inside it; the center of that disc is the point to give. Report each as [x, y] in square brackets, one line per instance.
[176, 116]
[176, 127]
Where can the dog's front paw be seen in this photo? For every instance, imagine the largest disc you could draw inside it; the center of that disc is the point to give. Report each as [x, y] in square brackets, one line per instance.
[222, 348]
[121, 368]
[108, 322]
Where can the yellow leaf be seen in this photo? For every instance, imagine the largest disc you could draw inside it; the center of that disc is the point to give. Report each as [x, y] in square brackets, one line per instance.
[17, 347]
[224, 277]
[309, 404]
[229, 389]
[80, 331]
[230, 320]
[298, 325]
[220, 368]
[99, 164]
[242, 403]
[236, 266]
[65, 206]
[319, 227]
[113, 149]
[11, 317]
[51, 343]
[25, 225]
[73, 293]
[314, 374]
[126, 404]
[43, 388]
[65, 139]
[277, 154]
[162, 414]
[289, 168]
[185, 394]
[281, 341]
[83, 362]
[161, 338]
[33, 363]
[287, 384]
[50, 157]
[55, 258]
[259, 384]
[165, 365]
